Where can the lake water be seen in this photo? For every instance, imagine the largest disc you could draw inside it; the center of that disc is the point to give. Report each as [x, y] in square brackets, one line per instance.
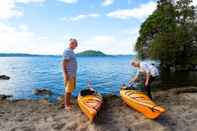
[28, 73]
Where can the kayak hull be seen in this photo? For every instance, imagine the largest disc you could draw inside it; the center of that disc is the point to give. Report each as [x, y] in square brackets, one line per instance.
[142, 103]
[90, 105]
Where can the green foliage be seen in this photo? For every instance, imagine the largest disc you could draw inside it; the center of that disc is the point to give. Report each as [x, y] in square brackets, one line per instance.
[170, 34]
[91, 53]
[166, 51]
[162, 20]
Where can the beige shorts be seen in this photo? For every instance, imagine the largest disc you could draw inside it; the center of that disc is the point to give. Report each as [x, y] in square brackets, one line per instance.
[70, 85]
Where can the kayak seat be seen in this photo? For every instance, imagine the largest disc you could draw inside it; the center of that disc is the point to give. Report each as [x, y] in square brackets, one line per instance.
[86, 92]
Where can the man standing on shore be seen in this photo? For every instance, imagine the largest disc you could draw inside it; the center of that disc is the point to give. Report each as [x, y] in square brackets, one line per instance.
[149, 71]
[69, 71]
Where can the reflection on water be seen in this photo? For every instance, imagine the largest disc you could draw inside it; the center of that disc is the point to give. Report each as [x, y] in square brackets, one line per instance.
[179, 78]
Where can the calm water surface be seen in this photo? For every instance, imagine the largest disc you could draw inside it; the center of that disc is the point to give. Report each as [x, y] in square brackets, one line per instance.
[28, 73]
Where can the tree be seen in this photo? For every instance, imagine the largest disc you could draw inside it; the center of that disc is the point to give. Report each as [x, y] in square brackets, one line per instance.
[185, 34]
[162, 20]
[169, 34]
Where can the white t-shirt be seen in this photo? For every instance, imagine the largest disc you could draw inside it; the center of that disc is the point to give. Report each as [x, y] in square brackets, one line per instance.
[148, 68]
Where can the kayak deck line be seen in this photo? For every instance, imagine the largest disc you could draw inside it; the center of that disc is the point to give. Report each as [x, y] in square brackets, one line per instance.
[153, 108]
[90, 104]
[145, 102]
[141, 102]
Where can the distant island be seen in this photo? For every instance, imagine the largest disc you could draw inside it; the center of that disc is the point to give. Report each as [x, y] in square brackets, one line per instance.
[91, 53]
[87, 53]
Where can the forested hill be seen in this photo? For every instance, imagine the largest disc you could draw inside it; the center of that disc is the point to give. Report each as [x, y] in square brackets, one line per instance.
[91, 53]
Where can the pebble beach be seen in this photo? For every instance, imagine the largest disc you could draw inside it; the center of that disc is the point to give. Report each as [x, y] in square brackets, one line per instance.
[115, 115]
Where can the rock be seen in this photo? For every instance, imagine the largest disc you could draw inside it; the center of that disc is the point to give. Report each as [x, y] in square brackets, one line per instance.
[4, 97]
[189, 67]
[179, 68]
[4, 77]
[60, 98]
[183, 67]
[23, 129]
[42, 91]
[44, 102]
[172, 68]
[194, 67]
[58, 126]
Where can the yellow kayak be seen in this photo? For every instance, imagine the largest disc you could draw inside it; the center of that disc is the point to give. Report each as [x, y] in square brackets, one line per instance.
[90, 103]
[141, 102]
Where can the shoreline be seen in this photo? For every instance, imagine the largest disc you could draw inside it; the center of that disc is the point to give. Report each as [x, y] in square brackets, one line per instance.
[40, 115]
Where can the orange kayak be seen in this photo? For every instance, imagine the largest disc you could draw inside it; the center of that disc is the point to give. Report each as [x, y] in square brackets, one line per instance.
[141, 102]
[90, 104]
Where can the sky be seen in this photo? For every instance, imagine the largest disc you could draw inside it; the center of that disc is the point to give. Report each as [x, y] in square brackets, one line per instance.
[45, 26]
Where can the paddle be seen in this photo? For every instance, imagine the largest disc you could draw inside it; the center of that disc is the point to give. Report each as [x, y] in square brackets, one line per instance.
[89, 83]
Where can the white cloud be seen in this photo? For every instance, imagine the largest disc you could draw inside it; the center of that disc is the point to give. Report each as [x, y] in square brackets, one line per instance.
[195, 2]
[123, 43]
[29, 1]
[23, 27]
[20, 39]
[107, 2]
[81, 16]
[104, 39]
[8, 8]
[140, 12]
[104, 2]
[69, 1]
[13, 38]
[101, 43]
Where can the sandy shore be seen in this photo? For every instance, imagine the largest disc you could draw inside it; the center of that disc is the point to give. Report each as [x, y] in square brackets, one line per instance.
[26, 115]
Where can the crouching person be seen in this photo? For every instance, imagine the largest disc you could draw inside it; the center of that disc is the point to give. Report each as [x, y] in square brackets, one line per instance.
[149, 71]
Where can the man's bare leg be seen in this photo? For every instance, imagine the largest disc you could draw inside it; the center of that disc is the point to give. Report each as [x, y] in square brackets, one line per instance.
[67, 101]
